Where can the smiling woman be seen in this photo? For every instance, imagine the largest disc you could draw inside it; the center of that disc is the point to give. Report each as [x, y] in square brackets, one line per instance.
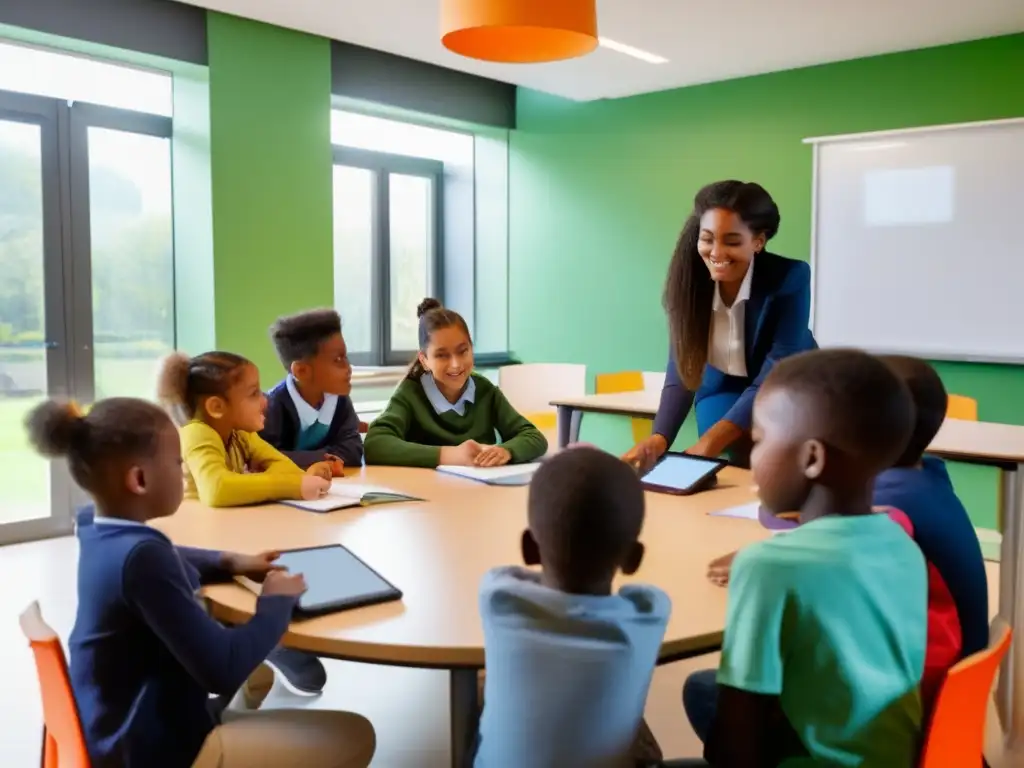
[734, 310]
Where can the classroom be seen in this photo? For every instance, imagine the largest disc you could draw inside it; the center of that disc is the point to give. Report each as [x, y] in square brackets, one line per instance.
[507, 195]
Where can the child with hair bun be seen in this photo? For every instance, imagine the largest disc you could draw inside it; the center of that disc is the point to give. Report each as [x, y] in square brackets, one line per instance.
[144, 655]
[443, 413]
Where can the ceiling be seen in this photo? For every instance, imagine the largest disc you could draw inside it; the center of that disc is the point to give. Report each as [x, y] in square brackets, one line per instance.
[704, 41]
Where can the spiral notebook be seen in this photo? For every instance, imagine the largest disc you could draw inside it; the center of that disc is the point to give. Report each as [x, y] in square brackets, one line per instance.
[344, 494]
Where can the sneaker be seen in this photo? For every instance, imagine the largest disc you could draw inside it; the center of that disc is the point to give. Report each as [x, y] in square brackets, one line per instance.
[302, 673]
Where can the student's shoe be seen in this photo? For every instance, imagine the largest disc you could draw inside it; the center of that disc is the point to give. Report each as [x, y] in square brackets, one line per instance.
[302, 673]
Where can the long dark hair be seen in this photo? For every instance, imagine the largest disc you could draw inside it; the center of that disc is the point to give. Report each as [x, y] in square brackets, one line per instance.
[689, 289]
[433, 317]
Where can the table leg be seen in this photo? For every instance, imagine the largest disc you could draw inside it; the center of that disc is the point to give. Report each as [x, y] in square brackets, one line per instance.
[465, 714]
[569, 420]
[1011, 588]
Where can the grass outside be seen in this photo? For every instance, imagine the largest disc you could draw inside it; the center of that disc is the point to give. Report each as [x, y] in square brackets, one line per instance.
[24, 476]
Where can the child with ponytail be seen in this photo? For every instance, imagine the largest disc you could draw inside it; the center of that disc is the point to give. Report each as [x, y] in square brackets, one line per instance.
[443, 413]
[144, 655]
[217, 401]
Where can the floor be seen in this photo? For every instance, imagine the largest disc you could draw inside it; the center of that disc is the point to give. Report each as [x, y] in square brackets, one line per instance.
[408, 707]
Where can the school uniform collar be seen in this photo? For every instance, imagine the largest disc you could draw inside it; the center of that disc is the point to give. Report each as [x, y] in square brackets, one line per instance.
[308, 415]
[102, 520]
[744, 293]
[440, 403]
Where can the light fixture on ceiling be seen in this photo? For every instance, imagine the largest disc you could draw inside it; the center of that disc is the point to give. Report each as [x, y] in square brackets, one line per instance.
[519, 31]
[629, 50]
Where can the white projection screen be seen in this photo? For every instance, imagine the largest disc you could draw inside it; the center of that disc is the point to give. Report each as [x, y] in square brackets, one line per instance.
[918, 241]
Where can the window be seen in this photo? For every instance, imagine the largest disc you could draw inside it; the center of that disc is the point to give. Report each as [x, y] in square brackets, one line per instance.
[392, 185]
[86, 255]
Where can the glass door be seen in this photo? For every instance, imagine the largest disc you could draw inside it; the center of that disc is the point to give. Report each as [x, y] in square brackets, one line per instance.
[86, 280]
[34, 354]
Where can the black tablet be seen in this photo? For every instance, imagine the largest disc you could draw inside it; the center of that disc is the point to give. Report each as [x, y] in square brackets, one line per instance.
[682, 474]
[337, 580]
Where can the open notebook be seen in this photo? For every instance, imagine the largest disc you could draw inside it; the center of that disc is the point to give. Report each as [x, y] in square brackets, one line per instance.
[510, 474]
[345, 493]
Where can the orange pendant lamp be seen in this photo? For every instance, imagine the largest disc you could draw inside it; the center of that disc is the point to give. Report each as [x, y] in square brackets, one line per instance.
[519, 31]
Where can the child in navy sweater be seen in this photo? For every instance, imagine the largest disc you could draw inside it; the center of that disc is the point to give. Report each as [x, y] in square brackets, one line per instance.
[310, 417]
[144, 655]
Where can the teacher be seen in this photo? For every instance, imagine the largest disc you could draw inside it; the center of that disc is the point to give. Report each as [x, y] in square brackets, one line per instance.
[734, 310]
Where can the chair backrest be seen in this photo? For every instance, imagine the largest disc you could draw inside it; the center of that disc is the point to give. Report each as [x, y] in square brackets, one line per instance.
[63, 741]
[531, 387]
[622, 381]
[956, 732]
[962, 407]
[654, 381]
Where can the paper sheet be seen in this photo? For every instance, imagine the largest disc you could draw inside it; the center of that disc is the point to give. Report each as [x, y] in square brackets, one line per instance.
[492, 474]
[743, 511]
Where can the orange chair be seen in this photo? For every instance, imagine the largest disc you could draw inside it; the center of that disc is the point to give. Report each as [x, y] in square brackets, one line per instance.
[63, 741]
[625, 381]
[956, 733]
[962, 407]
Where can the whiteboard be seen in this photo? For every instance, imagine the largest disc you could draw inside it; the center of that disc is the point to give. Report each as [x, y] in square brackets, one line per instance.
[917, 241]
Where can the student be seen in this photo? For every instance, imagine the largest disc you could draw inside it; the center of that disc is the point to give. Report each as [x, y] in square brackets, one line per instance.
[443, 413]
[144, 655]
[217, 401]
[919, 487]
[826, 626]
[569, 662]
[310, 417]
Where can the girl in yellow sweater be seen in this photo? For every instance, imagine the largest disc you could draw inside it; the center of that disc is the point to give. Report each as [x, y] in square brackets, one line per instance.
[216, 400]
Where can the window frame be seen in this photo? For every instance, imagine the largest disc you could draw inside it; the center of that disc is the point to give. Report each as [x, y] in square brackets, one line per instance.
[382, 165]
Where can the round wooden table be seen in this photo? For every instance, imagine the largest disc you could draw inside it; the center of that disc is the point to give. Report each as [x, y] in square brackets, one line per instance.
[436, 552]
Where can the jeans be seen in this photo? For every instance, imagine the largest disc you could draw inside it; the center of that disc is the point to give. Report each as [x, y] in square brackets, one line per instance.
[700, 700]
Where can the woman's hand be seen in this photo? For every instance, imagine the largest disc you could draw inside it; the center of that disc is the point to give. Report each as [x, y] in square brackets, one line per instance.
[493, 456]
[644, 454]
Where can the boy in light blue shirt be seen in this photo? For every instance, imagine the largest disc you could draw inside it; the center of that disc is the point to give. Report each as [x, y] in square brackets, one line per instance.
[569, 662]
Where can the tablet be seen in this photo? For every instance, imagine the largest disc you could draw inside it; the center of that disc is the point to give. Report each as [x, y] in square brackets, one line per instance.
[682, 474]
[337, 580]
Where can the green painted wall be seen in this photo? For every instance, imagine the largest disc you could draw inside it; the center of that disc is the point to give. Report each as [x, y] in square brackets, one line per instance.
[270, 92]
[599, 191]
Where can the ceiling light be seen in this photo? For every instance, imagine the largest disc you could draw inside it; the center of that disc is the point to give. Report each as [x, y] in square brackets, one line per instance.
[519, 31]
[629, 50]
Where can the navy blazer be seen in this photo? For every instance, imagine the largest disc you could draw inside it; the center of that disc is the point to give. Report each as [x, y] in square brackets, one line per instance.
[282, 428]
[775, 326]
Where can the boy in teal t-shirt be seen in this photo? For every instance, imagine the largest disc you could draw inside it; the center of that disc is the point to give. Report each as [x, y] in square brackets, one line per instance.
[826, 628]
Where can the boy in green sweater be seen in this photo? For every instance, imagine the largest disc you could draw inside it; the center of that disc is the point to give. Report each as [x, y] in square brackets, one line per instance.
[443, 413]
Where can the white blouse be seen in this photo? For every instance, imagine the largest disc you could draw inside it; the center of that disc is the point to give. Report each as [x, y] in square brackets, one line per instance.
[726, 346]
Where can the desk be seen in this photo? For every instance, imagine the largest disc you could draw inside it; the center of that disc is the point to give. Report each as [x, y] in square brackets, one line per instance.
[975, 442]
[437, 551]
[636, 405]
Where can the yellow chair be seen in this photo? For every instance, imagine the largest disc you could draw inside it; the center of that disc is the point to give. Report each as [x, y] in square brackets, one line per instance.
[625, 381]
[962, 407]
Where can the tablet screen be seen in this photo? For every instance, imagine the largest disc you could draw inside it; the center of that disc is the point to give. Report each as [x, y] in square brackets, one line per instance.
[334, 576]
[680, 472]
